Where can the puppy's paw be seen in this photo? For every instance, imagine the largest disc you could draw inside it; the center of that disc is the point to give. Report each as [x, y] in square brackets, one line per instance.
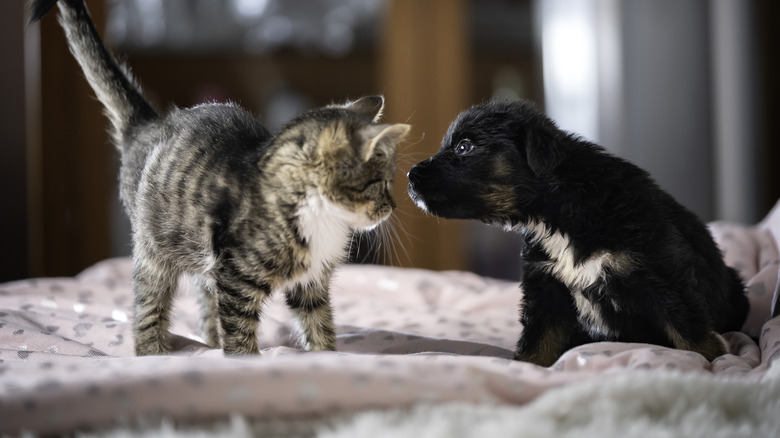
[540, 358]
[712, 347]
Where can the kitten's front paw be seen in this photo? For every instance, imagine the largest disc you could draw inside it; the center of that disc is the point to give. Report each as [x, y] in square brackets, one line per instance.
[151, 349]
[317, 339]
[240, 347]
[321, 347]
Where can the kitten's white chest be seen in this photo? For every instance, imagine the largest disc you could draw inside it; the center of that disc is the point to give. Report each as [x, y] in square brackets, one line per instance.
[325, 228]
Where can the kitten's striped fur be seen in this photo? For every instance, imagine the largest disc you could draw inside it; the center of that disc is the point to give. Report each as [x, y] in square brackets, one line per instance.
[212, 194]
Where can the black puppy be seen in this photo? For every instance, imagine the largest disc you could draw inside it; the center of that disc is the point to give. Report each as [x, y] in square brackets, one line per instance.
[608, 255]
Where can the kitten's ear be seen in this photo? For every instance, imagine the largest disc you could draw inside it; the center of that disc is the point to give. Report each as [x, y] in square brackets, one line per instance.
[376, 135]
[370, 106]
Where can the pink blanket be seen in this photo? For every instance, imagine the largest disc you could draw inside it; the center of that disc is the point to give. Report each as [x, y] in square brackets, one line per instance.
[405, 336]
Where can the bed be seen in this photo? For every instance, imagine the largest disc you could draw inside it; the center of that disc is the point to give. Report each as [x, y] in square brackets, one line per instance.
[419, 353]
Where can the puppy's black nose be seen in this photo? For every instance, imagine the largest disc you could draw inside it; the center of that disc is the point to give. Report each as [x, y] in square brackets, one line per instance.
[411, 174]
[417, 168]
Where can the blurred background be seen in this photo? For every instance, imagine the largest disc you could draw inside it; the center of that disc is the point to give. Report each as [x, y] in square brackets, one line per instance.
[687, 90]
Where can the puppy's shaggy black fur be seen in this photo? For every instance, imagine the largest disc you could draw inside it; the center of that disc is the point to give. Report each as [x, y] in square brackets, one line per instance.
[608, 255]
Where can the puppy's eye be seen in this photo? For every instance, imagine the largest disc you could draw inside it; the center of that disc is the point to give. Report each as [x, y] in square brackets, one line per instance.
[464, 147]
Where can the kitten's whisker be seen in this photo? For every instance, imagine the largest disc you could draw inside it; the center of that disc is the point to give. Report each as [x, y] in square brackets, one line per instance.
[408, 144]
[398, 242]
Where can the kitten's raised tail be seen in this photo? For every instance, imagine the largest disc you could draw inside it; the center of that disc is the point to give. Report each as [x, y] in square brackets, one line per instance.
[124, 103]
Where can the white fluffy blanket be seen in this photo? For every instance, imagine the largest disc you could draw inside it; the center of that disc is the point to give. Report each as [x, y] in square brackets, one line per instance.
[640, 405]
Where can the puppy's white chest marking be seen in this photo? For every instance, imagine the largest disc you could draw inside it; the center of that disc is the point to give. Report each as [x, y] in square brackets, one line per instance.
[590, 314]
[577, 275]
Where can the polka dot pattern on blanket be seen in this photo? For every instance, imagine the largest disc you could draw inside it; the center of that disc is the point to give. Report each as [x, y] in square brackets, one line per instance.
[404, 336]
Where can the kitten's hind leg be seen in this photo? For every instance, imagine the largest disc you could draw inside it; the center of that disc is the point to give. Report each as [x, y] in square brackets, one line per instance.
[154, 286]
[209, 313]
[311, 306]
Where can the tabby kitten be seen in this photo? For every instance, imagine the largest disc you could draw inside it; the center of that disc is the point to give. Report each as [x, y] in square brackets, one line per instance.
[212, 194]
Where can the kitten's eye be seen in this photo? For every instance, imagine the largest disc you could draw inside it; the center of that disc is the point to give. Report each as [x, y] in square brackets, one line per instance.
[464, 147]
[371, 183]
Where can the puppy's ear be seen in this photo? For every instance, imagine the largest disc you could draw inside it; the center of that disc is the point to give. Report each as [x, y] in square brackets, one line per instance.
[542, 153]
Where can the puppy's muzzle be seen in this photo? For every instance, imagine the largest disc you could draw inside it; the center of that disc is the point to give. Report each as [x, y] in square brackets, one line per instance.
[414, 174]
[417, 175]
